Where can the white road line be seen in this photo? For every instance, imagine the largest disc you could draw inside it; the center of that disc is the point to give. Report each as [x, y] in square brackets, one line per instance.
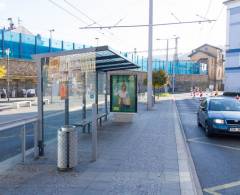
[213, 190]
[216, 145]
[195, 138]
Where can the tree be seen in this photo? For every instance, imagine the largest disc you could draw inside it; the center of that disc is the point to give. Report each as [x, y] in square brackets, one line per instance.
[159, 79]
[2, 71]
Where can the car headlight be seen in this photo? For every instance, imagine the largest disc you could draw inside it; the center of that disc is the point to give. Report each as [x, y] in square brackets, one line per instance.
[219, 121]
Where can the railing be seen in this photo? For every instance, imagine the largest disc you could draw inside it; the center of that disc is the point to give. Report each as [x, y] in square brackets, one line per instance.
[22, 123]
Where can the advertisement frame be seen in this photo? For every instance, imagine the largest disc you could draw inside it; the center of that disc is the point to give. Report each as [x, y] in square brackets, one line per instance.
[135, 92]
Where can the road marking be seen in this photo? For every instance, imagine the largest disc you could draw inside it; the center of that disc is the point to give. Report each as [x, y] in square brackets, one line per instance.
[194, 138]
[217, 145]
[213, 190]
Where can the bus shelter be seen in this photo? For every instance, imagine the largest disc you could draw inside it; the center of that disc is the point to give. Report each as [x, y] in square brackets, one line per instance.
[69, 82]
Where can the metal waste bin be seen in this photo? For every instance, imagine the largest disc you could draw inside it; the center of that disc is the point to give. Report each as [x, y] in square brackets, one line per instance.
[67, 148]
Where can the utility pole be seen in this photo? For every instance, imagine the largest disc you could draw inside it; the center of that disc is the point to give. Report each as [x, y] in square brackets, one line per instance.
[167, 48]
[167, 56]
[8, 90]
[174, 64]
[150, 35]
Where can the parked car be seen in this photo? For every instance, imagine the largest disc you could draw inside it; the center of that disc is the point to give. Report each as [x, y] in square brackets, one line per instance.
[31, 93]
[3, 93]
[219, 115]
[22, 93]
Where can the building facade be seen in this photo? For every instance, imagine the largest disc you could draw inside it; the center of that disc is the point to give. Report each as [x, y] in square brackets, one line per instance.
[232, 68]
[211, 57]
[22, 75]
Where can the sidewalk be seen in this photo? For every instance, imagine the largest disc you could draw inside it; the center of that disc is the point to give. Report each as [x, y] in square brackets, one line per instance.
[147, 156]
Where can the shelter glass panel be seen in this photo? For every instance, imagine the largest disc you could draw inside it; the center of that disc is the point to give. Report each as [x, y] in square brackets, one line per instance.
[67, 82]
[101, 91]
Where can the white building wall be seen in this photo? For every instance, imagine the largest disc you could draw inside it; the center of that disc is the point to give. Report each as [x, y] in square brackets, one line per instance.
[232, 65]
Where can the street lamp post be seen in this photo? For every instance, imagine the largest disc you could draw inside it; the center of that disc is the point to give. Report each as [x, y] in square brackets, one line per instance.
[8, 53]
[97, 40]
[51, 31]
[167, 48]
[174, 64]
[166, 65]
[150, 35]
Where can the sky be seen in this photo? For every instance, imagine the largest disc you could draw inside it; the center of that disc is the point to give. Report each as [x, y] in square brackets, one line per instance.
[41, 16]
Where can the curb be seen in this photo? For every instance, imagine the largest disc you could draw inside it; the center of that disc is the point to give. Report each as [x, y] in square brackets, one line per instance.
[196, 186]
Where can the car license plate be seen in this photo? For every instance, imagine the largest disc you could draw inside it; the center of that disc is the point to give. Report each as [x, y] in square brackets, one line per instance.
[235, 129]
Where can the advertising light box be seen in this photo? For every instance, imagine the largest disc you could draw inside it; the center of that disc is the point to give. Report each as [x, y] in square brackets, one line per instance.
[123, 93]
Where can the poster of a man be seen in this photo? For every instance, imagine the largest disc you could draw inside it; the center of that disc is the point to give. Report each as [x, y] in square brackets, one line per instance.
[123, 92]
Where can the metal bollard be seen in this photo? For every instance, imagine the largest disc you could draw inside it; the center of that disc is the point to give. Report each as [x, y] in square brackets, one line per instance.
[23, 143]
[94, 132]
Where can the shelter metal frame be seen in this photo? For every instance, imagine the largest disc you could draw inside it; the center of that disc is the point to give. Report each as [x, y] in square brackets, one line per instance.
[106, 60]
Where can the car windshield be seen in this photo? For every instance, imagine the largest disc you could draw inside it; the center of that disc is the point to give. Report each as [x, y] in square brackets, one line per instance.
[224, 105]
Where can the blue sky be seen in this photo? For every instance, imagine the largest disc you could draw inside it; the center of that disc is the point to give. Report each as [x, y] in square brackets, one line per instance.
[40, 16]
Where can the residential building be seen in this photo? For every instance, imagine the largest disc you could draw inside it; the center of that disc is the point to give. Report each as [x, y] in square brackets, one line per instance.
[211, 57]
[232, 67]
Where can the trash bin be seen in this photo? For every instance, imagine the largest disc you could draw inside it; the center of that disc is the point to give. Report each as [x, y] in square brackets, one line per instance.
[67, 155]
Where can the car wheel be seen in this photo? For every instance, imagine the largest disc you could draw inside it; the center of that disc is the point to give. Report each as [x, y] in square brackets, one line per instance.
[208, 132]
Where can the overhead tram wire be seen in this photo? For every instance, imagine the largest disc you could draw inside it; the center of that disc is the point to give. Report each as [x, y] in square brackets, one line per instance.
[70, 13]
[208, 8]
[81, 20]
[144, 51]
[80, 11]
[146, 25]
[206, 13]
[218, 17]
[84, 14]
[94, 21]
[175, 17]
[67, 11]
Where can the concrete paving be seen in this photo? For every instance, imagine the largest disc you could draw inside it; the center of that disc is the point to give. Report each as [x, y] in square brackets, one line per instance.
[147, 156]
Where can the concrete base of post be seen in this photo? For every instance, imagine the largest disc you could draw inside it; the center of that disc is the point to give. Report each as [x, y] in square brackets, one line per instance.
[123, 117]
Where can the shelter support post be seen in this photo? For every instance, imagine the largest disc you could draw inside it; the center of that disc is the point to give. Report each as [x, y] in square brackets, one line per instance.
[67, 104]
[84, 99]
[96, 88]
[106, 100]
[40, 134]
[94, 132]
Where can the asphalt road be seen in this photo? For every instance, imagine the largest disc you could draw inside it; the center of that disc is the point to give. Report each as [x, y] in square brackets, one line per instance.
[217, 159]
[10, 139]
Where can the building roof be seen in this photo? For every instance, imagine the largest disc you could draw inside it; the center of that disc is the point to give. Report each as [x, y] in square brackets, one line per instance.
[206, 44]
[106, 58]
[200, 51]
[229, 1]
